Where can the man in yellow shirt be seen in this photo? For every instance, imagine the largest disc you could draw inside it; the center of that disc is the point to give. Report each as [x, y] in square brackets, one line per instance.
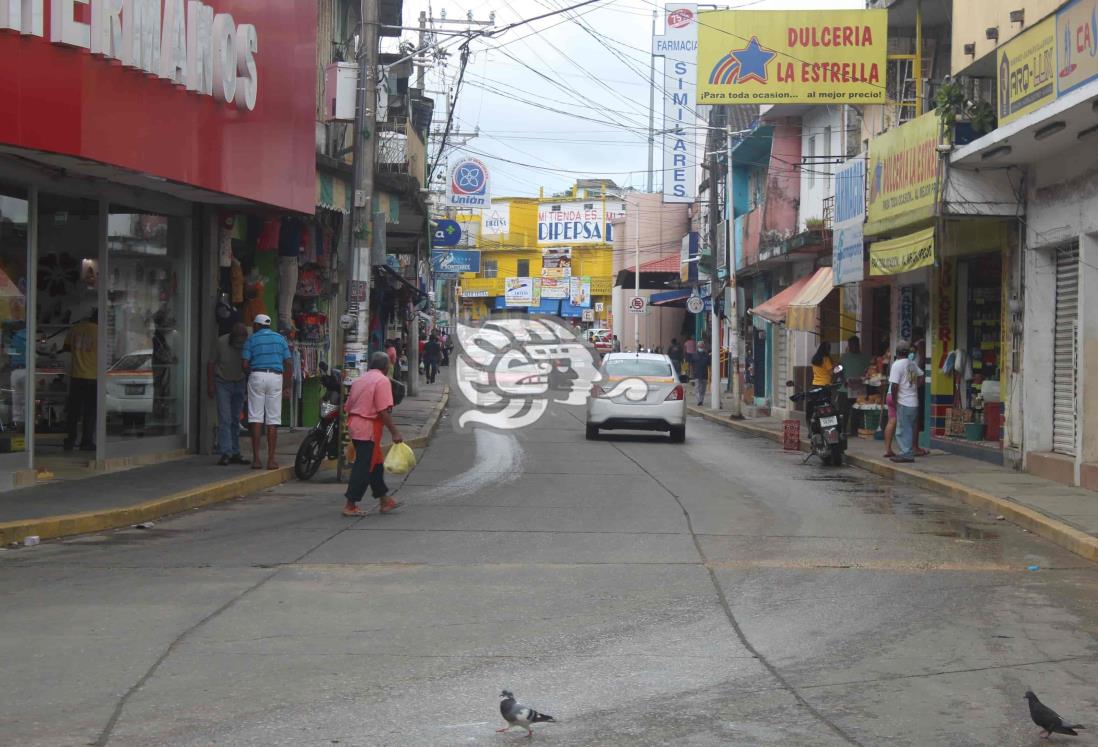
[82, 342]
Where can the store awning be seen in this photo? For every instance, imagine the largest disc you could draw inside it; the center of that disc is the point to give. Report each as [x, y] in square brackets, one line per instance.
[802, 310]
[774, 309]
[333, 193]
[908, 252]
[670, 298]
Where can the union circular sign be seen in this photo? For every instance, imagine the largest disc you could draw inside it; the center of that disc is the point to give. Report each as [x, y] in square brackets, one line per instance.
[469, 177]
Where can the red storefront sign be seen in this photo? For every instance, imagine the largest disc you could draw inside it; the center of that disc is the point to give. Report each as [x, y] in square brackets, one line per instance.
[225, 101]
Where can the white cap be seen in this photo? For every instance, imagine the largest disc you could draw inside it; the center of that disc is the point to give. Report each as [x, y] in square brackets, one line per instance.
[262, 320]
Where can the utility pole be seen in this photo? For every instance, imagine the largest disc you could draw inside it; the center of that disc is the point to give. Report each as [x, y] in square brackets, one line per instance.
[714, 319]
[356, 338]
[731, 308]
[652, 110]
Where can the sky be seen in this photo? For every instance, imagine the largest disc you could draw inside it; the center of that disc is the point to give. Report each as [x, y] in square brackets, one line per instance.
[594, 74]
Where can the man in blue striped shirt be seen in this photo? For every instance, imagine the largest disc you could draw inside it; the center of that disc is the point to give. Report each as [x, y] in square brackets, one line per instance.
[266, 358]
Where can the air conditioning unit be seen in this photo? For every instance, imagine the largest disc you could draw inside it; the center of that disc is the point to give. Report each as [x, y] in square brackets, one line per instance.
[340, 84]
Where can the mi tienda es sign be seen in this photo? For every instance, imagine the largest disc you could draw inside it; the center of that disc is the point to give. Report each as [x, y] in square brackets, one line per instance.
[182, 89]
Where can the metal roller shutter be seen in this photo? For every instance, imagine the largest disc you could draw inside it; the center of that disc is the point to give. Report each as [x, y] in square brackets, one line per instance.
[1065, 357]
[781, 366]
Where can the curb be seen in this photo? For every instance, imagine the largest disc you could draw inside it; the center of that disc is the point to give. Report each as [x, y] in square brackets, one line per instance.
[1052, 529]
[66, 525]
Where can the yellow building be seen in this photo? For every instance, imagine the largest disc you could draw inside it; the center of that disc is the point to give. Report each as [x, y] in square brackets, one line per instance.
[560, 244]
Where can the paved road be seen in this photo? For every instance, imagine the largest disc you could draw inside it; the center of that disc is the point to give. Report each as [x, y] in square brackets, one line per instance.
[717, 592]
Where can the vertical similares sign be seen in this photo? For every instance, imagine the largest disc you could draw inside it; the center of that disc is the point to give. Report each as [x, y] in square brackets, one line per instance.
[679, 48]
[847, 252]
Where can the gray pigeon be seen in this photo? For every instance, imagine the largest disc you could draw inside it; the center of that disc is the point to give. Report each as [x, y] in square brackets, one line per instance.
[519, 715]
[1048, 719]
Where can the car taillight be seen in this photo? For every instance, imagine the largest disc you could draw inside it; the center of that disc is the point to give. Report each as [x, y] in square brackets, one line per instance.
[676, 394]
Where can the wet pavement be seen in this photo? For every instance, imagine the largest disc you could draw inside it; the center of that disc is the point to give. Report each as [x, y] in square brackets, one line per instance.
[644, 593]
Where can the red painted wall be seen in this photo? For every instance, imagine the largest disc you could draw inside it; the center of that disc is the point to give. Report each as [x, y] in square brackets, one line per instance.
[783, 182]
[65, 100]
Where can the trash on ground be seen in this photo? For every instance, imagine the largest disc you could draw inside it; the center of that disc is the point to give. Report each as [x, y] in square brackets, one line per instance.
[1000, 517]
[1033, 568]
[31, 540]
[144, 525]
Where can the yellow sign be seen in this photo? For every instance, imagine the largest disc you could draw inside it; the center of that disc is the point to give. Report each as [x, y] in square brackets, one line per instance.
[1027, 71]
[900, 255]
[1076, 45]
[602, 286]
[903, 170]
[792, 57]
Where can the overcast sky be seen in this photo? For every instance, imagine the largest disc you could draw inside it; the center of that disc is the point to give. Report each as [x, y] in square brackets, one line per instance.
[597, 78]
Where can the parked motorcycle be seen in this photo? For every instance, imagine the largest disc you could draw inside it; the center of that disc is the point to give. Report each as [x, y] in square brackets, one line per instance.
[825, 433]
[323, 440]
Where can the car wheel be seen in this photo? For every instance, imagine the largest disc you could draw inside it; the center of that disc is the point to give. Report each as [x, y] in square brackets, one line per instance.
[592, 432]
[678, 434]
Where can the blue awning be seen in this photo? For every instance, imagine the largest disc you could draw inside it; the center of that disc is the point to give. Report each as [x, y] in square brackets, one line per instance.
[549, 306]
[568, 310]
[671, 297]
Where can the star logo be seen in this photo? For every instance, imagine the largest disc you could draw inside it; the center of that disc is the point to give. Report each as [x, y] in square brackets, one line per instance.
[742, 65]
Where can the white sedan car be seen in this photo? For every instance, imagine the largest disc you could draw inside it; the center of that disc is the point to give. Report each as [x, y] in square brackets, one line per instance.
[638, 391]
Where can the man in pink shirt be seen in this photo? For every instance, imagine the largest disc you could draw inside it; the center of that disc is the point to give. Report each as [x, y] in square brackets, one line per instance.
[368, 409]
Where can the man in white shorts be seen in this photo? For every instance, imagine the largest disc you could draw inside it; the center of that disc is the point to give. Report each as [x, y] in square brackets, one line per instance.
[267, 360]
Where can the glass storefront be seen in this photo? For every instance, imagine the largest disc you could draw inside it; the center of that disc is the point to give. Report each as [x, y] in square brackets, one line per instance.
[145, 337]
[14, 405]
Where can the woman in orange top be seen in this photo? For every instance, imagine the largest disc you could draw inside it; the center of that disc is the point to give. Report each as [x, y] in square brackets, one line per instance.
[368, 409]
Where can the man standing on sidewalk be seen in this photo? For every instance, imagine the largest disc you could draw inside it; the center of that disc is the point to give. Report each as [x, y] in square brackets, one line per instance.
[267, 360]
[700, 364]
[904, 385]
[369, 406]
[226, 381]
[432, 354]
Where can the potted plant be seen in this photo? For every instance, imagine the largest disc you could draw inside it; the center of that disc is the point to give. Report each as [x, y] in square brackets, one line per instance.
[982, 116]
[814, 224]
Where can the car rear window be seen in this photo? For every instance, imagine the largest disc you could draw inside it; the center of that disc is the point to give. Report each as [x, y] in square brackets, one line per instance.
[637, 367]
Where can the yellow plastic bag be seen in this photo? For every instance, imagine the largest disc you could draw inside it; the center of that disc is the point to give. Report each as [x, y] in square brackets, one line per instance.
[400, 459]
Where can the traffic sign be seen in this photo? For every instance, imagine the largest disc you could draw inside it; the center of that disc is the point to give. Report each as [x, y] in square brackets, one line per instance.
[599, 307]
[588, 315]
[637, 304]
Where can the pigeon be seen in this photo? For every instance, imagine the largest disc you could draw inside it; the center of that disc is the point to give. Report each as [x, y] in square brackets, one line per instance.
[1047, 719]
[516, 714]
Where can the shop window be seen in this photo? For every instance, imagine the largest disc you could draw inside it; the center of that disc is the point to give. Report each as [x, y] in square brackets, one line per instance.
[144, 325]
[14, 407]
[66, 325]
[524, 268]
[489, 268]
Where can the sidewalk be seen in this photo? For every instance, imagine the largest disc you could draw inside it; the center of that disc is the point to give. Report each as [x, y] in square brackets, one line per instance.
[116, 499]
[1065, 515]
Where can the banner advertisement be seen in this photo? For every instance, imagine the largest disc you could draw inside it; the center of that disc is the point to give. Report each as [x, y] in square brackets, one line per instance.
[496, 220]
[580, 291]
[900, 255]
[468, 184]
[1077, 45]
[556, 262]
[679, 48]
[555, 287]
[847, 240]
[1027, 71]
[455, 260]
[792, 57]
[521, 292]
[903, 169]
[579, 222]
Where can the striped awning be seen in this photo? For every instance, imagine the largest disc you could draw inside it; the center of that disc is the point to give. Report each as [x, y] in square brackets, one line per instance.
[333, 193]
[802, 309]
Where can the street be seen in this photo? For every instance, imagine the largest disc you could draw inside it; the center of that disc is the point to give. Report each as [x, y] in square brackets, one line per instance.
[643, 593]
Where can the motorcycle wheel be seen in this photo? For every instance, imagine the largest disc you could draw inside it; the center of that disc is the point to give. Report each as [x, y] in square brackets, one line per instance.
[309, 456]
[836, 459]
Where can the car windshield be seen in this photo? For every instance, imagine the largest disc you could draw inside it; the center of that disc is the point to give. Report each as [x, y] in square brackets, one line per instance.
[133, 362]
[637, 367]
